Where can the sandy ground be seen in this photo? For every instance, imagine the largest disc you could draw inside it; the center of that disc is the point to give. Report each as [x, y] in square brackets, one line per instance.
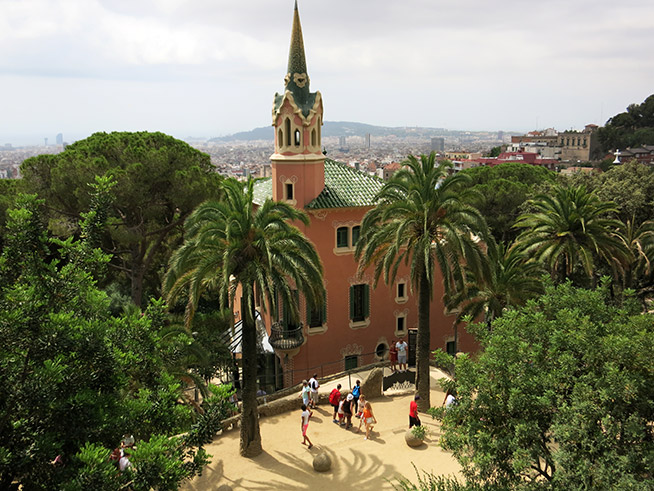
[356, 464]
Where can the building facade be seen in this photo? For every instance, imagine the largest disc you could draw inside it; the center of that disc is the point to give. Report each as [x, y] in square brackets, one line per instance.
[358, 322]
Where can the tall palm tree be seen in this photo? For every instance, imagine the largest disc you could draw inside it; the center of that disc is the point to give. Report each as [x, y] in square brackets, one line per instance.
[572, 226]
[234, 243]
[421, 220]
[510, 281]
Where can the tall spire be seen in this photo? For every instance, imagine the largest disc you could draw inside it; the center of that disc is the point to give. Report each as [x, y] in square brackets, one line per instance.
[297, 79]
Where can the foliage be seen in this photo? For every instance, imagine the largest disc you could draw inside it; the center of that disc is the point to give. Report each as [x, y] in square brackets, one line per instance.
[235, 244]
[215, 409]
[75, 379]
[631, 128]
[561, 395]
[569, 227]
[419, 432]
[421, 220]
[501, 190]
[509, 281]
[159, 181]
[431, 482]
[495, 151]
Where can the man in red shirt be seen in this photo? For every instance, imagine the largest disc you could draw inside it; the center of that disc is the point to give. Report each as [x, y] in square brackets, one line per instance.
[414, 420]
[334, 399]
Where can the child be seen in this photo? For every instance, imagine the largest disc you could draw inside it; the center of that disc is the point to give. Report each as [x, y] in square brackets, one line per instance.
[362, 404]
[306, 415]
[306, 393]
[347, 410]
[369, 419]
[341, 413]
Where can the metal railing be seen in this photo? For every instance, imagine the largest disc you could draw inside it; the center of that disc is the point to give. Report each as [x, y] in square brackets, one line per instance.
[285, 339]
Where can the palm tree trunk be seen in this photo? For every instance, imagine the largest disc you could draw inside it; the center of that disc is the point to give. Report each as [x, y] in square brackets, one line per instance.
[423, 343]
[250, 434]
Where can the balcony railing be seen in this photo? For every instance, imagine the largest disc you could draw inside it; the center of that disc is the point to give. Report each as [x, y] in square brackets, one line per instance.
[285, 339]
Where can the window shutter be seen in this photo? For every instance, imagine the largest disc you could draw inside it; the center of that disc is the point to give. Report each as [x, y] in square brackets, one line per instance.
[366, 300]
[352, 302]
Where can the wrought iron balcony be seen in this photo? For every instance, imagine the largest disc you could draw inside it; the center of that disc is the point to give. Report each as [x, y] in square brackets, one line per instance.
[285, 339]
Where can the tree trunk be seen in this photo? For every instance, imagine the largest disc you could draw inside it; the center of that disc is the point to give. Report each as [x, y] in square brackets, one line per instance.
[423, 351]
[250, 434]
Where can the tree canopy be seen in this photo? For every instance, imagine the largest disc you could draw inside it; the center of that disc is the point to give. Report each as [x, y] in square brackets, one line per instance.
[560, 397]
[160, 180]
[75, 379]
[631, 128]
[501, 190]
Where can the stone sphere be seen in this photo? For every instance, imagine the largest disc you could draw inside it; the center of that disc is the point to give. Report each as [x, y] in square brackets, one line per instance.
[411, 439]
[224, 487]
[322, 462]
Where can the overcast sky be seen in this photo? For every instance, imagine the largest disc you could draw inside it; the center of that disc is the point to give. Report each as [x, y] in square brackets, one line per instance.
[211, 67]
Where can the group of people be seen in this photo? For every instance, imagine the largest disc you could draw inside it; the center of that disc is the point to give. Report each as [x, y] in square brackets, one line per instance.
[344, 407]
[398, 352]
[310, 391]
[121, 455]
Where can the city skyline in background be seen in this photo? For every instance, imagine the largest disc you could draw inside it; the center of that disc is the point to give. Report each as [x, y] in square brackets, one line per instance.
[210, 68]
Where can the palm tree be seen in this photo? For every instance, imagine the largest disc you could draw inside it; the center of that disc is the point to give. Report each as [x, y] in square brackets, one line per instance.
[510, 282]
[421, 220]
[640, 241]
[572, 226]
[234, 243]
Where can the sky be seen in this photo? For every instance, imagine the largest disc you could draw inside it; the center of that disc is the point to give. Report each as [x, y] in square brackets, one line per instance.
[208, 68]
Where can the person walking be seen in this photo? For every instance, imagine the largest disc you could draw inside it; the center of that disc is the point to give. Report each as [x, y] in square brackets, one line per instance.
[450, 398]
[313, 385]
[334, 399]
[369, 419]
[414, 420]
[341, 413]
[362, 405]
[306, 415]
[402, 349]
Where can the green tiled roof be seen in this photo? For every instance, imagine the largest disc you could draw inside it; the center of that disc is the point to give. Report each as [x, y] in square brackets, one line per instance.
[345, 187]
[262, 190]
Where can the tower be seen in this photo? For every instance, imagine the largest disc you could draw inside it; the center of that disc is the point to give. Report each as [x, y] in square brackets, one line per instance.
[298, 165]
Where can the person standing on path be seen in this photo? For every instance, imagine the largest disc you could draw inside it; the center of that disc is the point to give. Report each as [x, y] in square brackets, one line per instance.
[334, 399]
[347, 410]
[369, 419]
[402, 349]
[356, 392]
[306, 415]
[362, 405]
[313, 385]
[392, 351]
[414, 420]
[306, 393]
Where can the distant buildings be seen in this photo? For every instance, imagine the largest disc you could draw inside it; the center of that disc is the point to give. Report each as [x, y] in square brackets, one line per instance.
[567, 146]
[438, 144]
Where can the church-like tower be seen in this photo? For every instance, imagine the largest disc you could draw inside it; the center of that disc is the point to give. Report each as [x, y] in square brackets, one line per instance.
[298, 165]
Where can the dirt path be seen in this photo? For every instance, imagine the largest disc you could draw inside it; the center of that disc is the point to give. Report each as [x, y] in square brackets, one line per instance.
[286, 464]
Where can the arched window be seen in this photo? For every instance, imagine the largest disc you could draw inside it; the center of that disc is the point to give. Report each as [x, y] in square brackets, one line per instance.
[280, 138]
[287, 130]
[297, 138]
[313, 137]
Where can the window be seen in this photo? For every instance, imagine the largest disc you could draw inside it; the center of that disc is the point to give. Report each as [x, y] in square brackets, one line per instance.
[288, 191]
[400, 324]
[381, 350]
[280, 138]
[287, 130]
[401, 293]
[359, 302]
[355, 235]
[313, 137]
[341, 237]
[450, 348]
[316, 316]
[297, 138]
[351, 361]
